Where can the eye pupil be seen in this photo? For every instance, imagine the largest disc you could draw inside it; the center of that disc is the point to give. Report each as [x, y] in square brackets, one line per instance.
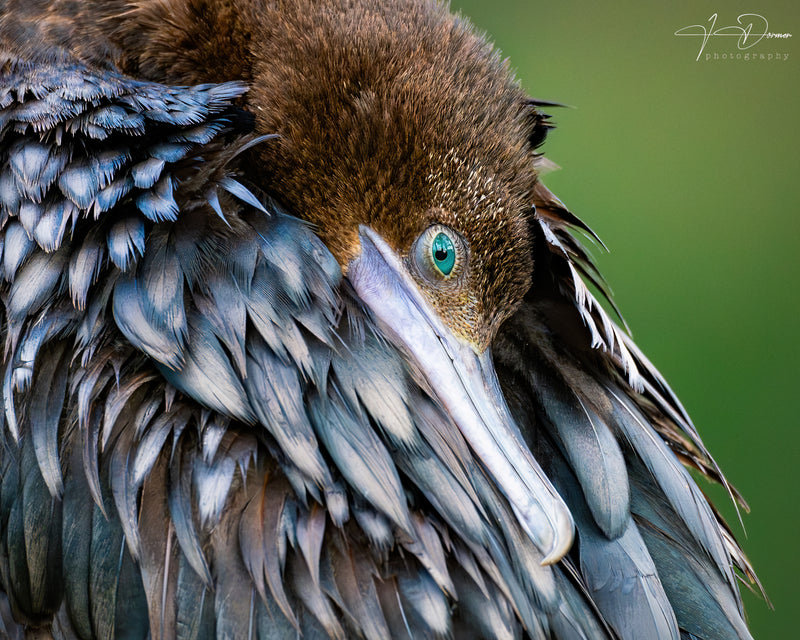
[444, 253]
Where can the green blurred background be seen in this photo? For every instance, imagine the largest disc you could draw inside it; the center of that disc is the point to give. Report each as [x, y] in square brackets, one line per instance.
[688, 170]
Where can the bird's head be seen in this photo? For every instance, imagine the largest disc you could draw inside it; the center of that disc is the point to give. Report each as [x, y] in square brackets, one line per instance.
[404, 139]
[405, 126]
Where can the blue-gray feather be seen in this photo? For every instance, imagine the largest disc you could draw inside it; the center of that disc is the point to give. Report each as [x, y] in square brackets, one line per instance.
[705, 603]
[17, 246]
[590, 448]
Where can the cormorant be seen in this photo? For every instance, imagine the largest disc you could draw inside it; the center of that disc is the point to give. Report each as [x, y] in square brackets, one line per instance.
[297, 344]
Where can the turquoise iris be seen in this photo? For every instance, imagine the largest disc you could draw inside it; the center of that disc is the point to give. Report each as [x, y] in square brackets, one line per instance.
[443, 253]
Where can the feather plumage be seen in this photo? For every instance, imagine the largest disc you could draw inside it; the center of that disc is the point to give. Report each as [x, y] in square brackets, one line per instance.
[207, 433]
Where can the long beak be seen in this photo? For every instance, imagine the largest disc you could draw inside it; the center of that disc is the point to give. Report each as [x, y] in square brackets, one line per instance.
[466, 385]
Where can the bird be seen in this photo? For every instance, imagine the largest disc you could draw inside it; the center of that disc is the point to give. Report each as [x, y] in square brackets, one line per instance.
[297, 344]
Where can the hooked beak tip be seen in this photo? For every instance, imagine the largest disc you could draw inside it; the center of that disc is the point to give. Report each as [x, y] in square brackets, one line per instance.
[562, 542]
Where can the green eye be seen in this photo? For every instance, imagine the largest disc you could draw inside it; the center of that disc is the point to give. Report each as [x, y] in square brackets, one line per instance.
[443, 253]
[440, 255]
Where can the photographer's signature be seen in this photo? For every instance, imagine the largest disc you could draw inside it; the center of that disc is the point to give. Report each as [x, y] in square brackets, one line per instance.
[751, 29]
